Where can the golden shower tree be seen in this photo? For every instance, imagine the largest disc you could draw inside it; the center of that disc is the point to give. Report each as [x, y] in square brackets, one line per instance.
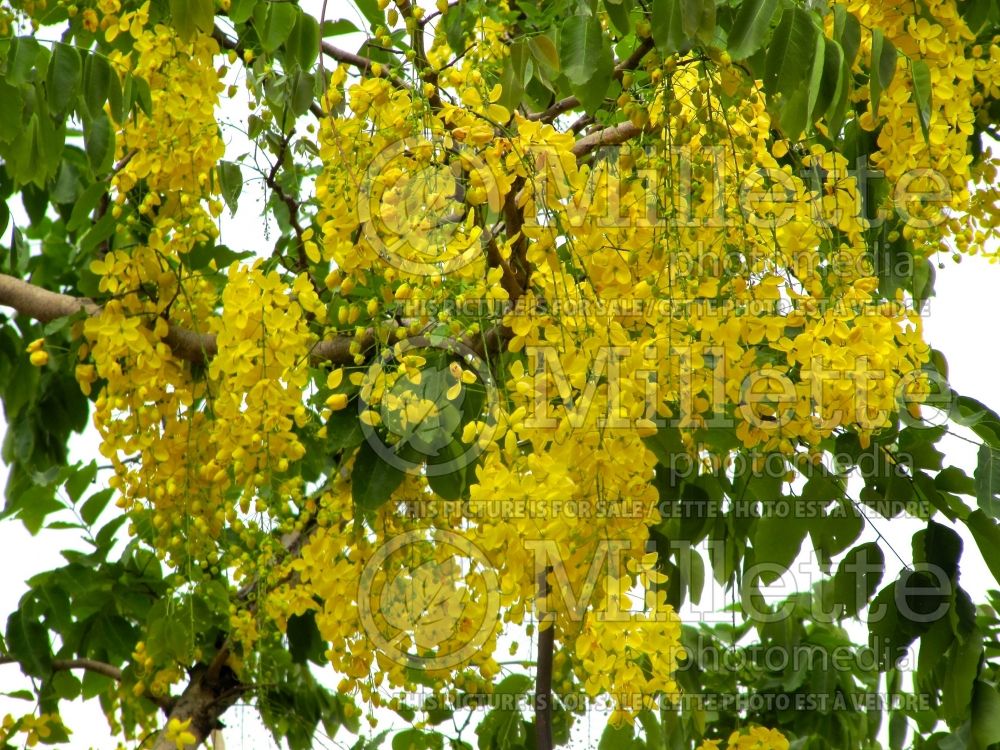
[560, 309]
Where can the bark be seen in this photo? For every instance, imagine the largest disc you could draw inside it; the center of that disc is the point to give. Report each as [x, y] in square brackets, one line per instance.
[543, 673]
[209, 694]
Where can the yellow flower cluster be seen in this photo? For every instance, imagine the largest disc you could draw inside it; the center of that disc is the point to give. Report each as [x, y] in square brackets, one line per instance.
[259, 375]
[659, 291]
[959, 70]
[754, 738]
[150, 410]
[174, 150]
[37, 728]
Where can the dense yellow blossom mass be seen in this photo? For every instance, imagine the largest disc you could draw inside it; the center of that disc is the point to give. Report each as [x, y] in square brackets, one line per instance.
[517, 318]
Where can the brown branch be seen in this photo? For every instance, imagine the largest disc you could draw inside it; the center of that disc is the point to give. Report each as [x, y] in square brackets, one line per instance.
[44, 306]
[203, 703]
[88, 665]
[271, 180]
[513, 217]
[41, 304]
[97, 667]
[570, 102]
[363, 64]
[609, 136]
[65, 665]
[543, 670]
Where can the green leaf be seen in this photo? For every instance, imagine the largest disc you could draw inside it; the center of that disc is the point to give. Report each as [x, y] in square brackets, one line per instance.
[304, 640]
[985, 715]
[79, 480]
[788, 68]
[12, 111]
[303, 41]
[302, 85]
[449, 485]
[696, 577]
[883, 68]
[416, 739]
[889, 635]
[583, 49]
[65, 685]
[21, 59]
[987, 480]
[668, 447]
[591, 94]
[987, 535]
[343, 430]
[667, 25]
[99, 141]
[886, 64]
[231, 183]
[618, 13]
[544, 52]
[169, 637]
[281, 19]
[95, 505]
[847, 31]
[94, 684]
[620, 737]
[698, 20]
[142, 96]
[373, 480]
[64, 77]
[189, 16]
[817, 69]
[338, 27]
[832, 80]
[857, 577]
[776, 543]
[512, 76]
[963, 667]
[933, 646]
[953, 479]
[241, 10]
[97, 76]
[940, 547]
[28, 642]
[751, 27]
[372, 13]
[204, 253]
[899, 729]
[500, 729]
[921, 77]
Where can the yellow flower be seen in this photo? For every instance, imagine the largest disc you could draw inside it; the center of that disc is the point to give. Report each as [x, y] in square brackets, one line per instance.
[178, 733]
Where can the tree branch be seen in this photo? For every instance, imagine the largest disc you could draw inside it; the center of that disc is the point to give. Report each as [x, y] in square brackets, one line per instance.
[271, 180]
[363, 64]
[609, 136]
[543, 670]
[570, 102]
[44, 306]
[203, 702]
[65, 665]
[97, 667]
